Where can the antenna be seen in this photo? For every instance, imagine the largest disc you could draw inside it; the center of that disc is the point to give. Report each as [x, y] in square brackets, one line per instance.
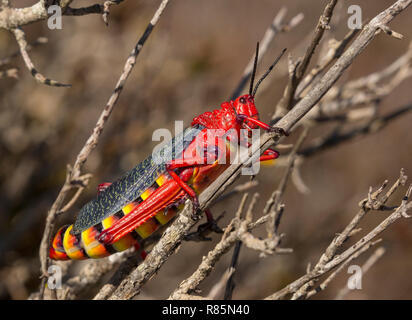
[252, 79]
[266, 73]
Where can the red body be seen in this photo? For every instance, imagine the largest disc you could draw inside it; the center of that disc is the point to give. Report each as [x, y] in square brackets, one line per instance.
[186, 177]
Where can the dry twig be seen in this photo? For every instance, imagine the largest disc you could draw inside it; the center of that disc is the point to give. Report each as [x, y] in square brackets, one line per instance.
[330, 259]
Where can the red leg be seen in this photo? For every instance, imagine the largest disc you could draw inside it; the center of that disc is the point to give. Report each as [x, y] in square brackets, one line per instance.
[186, 175]
[143, 254]
[192, 194]
[263, 125]
[174, 164]
[167, 194]
[212, 222]
[269, 154]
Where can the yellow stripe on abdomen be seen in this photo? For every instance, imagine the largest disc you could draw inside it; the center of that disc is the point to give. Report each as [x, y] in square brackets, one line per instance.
[72, 246]
[93, 248]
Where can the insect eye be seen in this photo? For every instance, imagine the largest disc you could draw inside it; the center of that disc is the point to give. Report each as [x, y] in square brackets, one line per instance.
[242, 100]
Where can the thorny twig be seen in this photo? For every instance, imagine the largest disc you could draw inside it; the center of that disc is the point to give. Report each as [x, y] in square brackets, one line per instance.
[12, 19]
[329, 259]
[378, 253]
[237, 229]
[297, 71]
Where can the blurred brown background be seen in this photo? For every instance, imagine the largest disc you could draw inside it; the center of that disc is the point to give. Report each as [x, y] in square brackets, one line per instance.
[190, 64]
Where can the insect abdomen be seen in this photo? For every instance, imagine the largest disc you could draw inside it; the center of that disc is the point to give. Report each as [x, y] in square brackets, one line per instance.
[85, 245]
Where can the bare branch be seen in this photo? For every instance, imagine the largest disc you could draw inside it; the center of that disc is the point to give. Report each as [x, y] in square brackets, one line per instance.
[329, 260]
[297, 73]
[21, 40]
[365, 268]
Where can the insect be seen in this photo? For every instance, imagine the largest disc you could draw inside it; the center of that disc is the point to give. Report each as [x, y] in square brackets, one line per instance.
[128, 211]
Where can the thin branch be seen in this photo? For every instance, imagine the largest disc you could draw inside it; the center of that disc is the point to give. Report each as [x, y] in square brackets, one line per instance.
[338, 137]
[12, 18]
[372, 260]
[273, 204]
[329, 260]
[333, 275]
[39, 41]
[299, 70]
[103, 9]
[21, 40]
[335, 51]
[230, 285]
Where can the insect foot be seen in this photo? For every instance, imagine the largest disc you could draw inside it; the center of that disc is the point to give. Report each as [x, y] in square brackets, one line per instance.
[202, 231]
[206, 228]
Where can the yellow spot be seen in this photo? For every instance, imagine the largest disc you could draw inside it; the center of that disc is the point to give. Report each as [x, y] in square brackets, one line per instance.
[94, 248]
[128, 208]
[147, 193]
[71, 246]
[269, 163]
[165, 218]
[161, 180]
[147, 228]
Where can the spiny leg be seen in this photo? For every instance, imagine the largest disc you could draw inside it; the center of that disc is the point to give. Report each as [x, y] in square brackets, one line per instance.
[189, 164]
[189, 191]
[263, 125]
[162, 197]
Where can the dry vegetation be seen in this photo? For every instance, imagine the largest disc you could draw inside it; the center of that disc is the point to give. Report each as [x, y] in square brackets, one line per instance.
[343, 95]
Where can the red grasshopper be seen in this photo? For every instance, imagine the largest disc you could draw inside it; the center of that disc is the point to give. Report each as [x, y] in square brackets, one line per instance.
[149, 196]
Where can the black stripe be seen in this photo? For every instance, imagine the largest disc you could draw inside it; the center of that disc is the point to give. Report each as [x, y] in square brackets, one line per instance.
[136, 236]
[99, 227]
[144, 37]
[119, 214]
[84, 252]
[78, 239]
[155, 220]
[79, 244]
[110, 248]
